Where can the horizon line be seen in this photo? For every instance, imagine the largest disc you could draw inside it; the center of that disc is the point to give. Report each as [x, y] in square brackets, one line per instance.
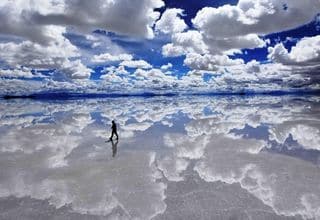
[70, 95]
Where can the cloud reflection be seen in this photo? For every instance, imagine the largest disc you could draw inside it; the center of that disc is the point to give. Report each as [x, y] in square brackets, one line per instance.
[56, 151]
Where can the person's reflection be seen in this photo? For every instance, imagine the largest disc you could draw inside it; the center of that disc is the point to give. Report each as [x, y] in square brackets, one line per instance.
[114, 147]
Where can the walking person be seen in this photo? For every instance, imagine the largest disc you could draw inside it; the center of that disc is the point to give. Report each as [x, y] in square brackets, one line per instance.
[113, 130]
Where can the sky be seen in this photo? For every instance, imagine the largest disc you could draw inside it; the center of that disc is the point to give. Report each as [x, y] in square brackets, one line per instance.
[182, 46]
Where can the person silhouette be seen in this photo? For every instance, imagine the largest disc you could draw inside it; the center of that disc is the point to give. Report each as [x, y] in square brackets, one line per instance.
[114, 147]
[113, 130]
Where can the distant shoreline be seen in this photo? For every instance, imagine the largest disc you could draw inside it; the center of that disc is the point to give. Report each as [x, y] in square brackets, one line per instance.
[150, 94]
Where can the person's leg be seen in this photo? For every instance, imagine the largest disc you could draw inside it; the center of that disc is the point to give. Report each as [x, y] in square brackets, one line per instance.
[116, 133]
[112, 133]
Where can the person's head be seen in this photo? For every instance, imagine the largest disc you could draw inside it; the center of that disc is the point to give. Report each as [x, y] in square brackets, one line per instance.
[113, 122]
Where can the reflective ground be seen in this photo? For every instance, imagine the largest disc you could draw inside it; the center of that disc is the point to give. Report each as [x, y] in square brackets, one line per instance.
[177, 158]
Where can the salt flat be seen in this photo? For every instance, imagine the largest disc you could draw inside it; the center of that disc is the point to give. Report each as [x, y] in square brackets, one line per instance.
[188, 157]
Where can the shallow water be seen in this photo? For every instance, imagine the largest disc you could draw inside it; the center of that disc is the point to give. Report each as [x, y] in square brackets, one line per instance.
[177, 158]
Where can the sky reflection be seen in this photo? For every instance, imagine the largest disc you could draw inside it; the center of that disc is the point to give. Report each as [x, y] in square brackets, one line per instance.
[177, 158]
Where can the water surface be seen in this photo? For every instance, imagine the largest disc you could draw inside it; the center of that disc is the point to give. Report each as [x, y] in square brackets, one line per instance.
[190, 157]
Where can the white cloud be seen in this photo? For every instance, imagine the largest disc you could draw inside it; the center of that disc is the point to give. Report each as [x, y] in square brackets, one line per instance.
[154, 80]
[27, 19]
[19, 73]
[34, 55]
[166, 66]
[235, 77]
[76, 85]
[305, 53]
[16, 18]
[35, 36]
[75, 70]
[54, 55]
[19, 87]
[209, 62]
[40, 32]
[170, 50]
[230, 28]
[234, 44]
[254, 17]
[107, 57]
[171, 22]
[254, 76]
[136, 64]
[152, 75]
[303, 60]
[116, 70]
[183, 43]
[204, 54]
[194, 42]
[112, 74]
[112, 78]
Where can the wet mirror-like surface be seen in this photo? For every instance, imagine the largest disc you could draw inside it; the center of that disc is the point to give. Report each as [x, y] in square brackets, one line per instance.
[177, 158]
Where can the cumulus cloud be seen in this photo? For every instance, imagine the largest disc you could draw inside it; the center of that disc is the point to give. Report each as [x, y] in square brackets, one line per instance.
[75, 70]
[166, 66]
[99, 14]
[107, 57]
[41, 34]
[209, 62]
[19, 87]
[57, 36]
[303, 59]
[53, 56]
[34, 55]
[112, 74]
[142, 64]
[171, 22]
[183, 43]
[19, 73]
[258, 77]
[230, 28]
[234, 44]
[254, 17]
[154, 76]
[117, 70]
[305, 53]
[16, 19]
[235, 77]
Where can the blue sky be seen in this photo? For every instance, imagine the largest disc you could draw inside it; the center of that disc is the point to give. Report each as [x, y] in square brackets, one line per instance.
[159, 46]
